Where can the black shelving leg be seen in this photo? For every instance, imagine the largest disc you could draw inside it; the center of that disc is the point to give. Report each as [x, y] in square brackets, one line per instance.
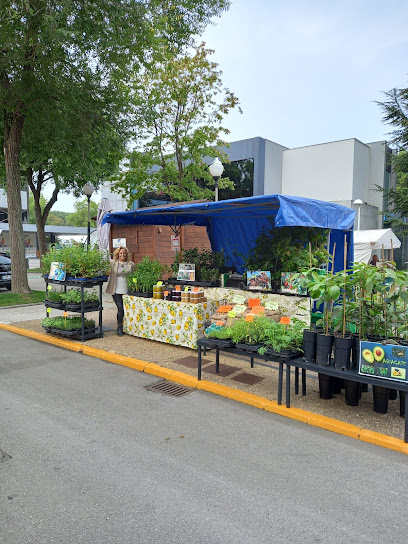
[296, 381]
[406, 420]
[280, 383]
[303, 381]
[217, 360]
[199, 363]
[287, 386]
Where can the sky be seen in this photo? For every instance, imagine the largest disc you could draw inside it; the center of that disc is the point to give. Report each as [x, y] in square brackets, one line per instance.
[308, 72]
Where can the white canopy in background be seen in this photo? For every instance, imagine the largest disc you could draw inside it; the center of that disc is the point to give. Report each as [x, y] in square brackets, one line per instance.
[103, 230]
[366, 241]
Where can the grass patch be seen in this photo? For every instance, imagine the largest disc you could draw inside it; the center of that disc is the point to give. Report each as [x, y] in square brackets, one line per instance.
[34, 270]
[14, 299]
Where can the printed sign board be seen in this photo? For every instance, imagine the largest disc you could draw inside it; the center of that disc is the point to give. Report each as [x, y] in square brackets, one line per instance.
[186, 272]
[290, 283]
[388, 361]
[119, 242]
[259, 280]
[56, 272]
[175, 242]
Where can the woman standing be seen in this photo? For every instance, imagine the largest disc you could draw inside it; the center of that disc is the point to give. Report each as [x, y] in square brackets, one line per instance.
[120, 267]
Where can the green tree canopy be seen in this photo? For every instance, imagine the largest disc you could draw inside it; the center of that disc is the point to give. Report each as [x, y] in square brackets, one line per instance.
[178, 106]
[54, 54]
[395, 110]
[80, 217]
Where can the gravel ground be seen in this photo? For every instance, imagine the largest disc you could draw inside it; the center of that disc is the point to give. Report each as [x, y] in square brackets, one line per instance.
[167, 356]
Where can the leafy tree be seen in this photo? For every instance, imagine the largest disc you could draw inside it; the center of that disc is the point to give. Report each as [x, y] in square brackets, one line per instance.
[178, 107]
[49, 47]
[80, 217]
[395, 110]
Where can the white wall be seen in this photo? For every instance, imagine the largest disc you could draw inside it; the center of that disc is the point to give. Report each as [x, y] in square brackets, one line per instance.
[117, 202]
[323, 172]
[3, 199]
[361, 172]
[377, 170]
[273, 168]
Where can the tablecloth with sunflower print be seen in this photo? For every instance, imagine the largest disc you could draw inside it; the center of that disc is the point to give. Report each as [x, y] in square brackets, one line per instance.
[178, 323]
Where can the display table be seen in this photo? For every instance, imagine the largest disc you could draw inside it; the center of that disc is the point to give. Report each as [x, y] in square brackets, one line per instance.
[178, 323]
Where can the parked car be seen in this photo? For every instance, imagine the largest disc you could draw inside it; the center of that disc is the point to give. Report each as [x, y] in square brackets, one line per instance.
[5, 272]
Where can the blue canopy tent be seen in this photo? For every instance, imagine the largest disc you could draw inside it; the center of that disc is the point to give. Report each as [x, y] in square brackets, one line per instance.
[233, 225]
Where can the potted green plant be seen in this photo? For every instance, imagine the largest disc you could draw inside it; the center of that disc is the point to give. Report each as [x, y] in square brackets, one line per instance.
[208, 264]
[146, 274]
[79, 262]
[73, 298]
[287, 249]
[54, 299]
[66, 326]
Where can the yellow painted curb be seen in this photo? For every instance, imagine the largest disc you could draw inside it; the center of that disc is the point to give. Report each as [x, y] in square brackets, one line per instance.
[384, 441]
[247, 398]
[114, 358]
[156, 370]
[212, 387]
[334, 425]
[292, 413]
[73, 346]
[183, 379]
[262, 403]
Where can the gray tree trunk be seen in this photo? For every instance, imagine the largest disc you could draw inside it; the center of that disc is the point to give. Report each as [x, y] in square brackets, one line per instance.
[12, 146]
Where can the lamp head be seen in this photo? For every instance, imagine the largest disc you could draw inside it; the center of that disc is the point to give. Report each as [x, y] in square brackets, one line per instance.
[358, 202]
[88, 190]
[216, 168]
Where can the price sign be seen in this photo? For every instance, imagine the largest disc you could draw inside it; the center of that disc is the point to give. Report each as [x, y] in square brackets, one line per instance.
[239, 309]
[238, 299]
[271, 305]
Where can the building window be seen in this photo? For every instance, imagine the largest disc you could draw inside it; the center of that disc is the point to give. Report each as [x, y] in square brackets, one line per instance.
[242, 174]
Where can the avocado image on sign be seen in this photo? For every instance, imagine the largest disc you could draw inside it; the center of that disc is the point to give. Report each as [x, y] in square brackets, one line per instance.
[368, 355]
[378, 353]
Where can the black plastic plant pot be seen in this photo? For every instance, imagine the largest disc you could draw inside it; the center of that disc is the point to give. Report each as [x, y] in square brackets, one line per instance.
[342, 352]
[336, 386]
[325, 387]
[324, 345]
[352, 392]
[380, 395]
[393, 394]
[309, 345]
[355, 352]
[402, 395]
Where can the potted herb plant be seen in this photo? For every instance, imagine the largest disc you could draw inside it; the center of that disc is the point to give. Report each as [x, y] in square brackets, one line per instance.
[146, 274]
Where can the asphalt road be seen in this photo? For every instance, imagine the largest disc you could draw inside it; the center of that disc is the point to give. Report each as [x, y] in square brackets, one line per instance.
[88, 455]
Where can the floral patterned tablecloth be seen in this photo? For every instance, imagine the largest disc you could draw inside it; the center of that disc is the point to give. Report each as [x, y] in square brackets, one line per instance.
[176, 323]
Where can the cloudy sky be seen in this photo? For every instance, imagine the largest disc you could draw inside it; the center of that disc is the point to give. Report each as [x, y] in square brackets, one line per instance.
[308, 72]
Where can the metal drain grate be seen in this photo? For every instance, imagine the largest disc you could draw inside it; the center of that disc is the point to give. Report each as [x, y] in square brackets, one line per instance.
[169, 388]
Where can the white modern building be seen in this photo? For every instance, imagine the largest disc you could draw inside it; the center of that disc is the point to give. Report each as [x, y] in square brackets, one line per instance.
[339, 172]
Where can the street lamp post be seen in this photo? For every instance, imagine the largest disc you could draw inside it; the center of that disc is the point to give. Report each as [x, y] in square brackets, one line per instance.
[216, 170]
[358, 202]
[88, 190]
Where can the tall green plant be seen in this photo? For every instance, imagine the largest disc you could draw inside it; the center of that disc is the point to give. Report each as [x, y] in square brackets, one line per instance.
[287, 249]
[146, 274]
